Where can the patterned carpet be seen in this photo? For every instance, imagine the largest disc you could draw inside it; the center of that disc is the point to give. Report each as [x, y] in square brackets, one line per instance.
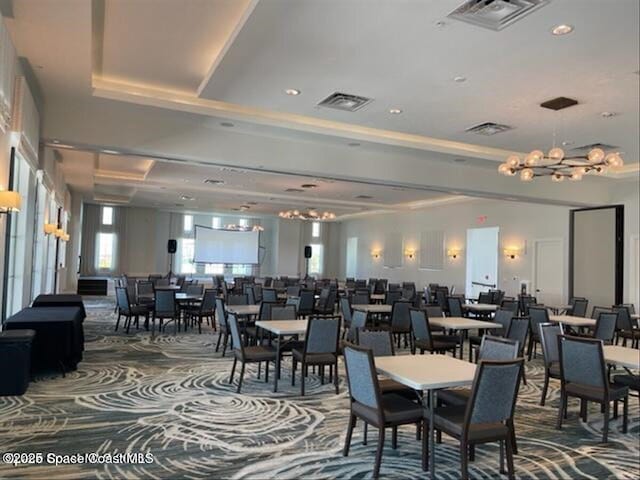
[171, 398]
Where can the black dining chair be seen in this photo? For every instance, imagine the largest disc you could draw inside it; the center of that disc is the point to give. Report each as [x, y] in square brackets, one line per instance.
[128, 310]
[204, 310]
[488, 415]
[537, 316]
[165, 309]
[423, 338]
[583, 375]
[224, 332]
[548, 334]
[320, 349]
[401, 322]
[368, 404]
[579, 308]
[358, 320]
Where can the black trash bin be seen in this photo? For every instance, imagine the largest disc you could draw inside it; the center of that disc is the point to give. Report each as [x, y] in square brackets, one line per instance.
[15, 361]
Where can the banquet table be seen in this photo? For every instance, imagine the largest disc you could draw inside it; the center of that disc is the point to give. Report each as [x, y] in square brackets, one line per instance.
[60, 300]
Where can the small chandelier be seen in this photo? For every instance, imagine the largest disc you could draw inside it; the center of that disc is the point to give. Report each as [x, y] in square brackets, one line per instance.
[308, 215]
[559, 167]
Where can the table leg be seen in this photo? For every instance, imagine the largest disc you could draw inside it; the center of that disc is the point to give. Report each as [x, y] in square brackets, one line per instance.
[275, 376]
[432, 436]
[461, 333]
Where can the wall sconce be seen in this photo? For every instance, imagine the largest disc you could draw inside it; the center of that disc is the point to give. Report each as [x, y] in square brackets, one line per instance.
[376, 254]
[9, 201]
[65, 237]
[50, 228]
[512, 252]
[410, 253]
[59, 233]
[453, 253]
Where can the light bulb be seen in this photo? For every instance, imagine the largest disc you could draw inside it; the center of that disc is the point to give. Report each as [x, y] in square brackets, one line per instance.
[557, 177]
[511, 172]
[596, 155]
[613, 160]
[556, 154]
[526, 175]
[576, 175]
[513, 161]
[296, 212]
[534, 158]
[504, 168]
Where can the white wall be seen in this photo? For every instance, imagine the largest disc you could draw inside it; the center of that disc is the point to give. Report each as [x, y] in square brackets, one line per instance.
[520, 224]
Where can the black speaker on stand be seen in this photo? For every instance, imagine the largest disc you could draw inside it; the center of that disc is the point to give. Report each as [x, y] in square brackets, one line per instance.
[307, 256]
[172, 248]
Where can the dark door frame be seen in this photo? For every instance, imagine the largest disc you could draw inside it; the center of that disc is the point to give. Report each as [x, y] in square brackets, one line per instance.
[619, 246]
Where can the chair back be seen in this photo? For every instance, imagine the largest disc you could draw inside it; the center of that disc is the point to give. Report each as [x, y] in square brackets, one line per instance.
[162, 282]
[250, 293]
[195, 289]
[485, 297]
[624, 321]
[236, 338]
[549, 333]
[420, 328]
[596, 311]
[494, 392]
[511, 305]
[283, 312]
[582, 361]
[131, 291]
[503, 317]
[307, 299]
[498, 348]
[345, 310]
[525, 302]
[606, 326]
[165, 302]
[497, 296]
[392, 296]
[323, 335]
[441, 298]
[378, 341]
[518, 330]
[580, 307]
[145, 289]
[221, 312]
[122, 297]
[400, 318]
[293, 291]
[455, 306]
[394, 287]
[265, 310]
[358, 320]
[433, 311]
[360, 298]
[269, 295]
[237, 299]
[537, 316]
[361, 376]
[380, 286]
[209, 300]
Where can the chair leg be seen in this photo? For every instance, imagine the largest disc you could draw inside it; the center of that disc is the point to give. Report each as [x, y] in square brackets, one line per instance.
[347, 441]
[530, 347]
[241, 377]
[514, 443]
[625, 414]
[605, 427]
[117, 323]
[425, 444]
[218, 342]
[464, 459]
[376, 468]
[336, 380]
[502, 457]
[583, 410]
[303, 379]
[472, 453]
[545, 387]
[510, 452]
[224, 345]
[266, 372]
[394, 437]
[366, 431]
[233, 370]
[294, 365]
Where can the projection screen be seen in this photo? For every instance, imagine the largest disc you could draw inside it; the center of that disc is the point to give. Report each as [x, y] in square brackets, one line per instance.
[225, 246]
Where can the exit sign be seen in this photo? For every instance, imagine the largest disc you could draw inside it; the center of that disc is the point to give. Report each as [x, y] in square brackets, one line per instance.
[481, 219]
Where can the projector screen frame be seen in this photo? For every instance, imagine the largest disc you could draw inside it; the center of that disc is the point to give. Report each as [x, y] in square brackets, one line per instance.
[195, 235]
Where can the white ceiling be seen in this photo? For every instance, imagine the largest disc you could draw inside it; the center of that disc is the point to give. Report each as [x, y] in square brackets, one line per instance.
[230, 61]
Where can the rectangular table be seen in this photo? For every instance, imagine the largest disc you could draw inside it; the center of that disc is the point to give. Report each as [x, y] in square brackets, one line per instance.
[622, 356]
[243, 310]
[427, 373]
[480, 307]
[572, 321]
[282, 328]
[59, 339]
[377, 297]
[60, 300]
[371, 308]
[462, 324]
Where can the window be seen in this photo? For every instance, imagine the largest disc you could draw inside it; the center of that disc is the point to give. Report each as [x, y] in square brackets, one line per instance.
[241, 269]
[243, 222]
[106, 251]
[316, 260]
[107, 215]
[187, 246]
[214, 269]
[215, 222]
[315, 229]
[188, 224]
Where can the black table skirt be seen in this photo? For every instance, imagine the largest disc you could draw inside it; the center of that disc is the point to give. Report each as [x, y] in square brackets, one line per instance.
[59, 340]
[61, 300]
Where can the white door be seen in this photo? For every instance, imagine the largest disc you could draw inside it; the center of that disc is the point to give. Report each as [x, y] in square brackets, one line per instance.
[548, 271]
[634, 293]
[352, 257]
[482, 260]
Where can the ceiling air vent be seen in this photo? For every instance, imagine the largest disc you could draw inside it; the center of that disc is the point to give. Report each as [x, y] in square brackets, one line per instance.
[364, 197]
[488, 128]
[559, 103]
[587, 148]
[344, 101]
[294, 190]
[495, 14]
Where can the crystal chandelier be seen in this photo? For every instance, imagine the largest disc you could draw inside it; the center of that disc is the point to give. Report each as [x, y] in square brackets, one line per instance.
[308, 215]
[556, 165]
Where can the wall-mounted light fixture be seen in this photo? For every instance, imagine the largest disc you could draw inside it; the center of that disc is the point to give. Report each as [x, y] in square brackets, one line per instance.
[59, 233]
[65, 237]
[9, 201]
[512, 252]
[50, 228]
[410, 253]
[454, 253]
[376, 254]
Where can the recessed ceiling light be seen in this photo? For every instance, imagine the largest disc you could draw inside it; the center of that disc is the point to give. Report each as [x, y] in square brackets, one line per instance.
[252, 203]
[460, 160]
[56, 141]
[308, 185]
[227, 124]
[213, 181]
[566, 143]
[292, 91]
[562, 29]
[395, 111]
[608, 114]
[186, 197]
[353, 144]
[111, 152]
[459, 79]
[364, 197]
